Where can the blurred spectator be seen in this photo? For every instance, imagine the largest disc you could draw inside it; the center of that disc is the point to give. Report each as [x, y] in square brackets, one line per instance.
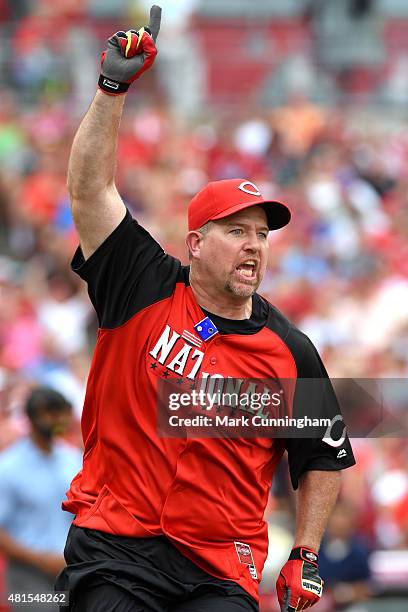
[299, 124]
[35, 472]
[344, 560]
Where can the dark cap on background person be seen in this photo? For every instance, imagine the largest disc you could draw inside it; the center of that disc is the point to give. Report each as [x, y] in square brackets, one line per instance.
[220, 199]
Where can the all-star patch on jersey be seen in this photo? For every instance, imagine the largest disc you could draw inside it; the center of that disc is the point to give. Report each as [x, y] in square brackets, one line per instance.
[205, 495]
[244, 553]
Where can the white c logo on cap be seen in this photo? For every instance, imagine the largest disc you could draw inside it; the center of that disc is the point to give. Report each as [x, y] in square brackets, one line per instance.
[255, 191]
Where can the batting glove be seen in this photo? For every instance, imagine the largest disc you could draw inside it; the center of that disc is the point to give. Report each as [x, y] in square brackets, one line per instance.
[129, 55]
[299, 585]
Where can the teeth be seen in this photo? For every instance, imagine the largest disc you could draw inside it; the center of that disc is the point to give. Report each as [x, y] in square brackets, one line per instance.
[245, 272]
[247, 268]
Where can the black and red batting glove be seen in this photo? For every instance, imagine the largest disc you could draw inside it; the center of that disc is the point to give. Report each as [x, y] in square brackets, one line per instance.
[299, 585]
[129, 55]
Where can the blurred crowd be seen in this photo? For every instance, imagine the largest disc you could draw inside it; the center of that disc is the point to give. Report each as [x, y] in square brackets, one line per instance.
[339, 271]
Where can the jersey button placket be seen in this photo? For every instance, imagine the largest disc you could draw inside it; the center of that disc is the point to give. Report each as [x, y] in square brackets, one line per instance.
[214, 342]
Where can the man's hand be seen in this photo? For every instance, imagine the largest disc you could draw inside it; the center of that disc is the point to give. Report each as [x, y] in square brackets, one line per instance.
[299, 585]
[129, 55]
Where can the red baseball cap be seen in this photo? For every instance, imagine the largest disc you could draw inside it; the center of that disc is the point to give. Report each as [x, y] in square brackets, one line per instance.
[220, 199]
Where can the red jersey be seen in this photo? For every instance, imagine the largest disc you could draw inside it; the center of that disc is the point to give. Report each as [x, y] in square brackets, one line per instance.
[207, 495]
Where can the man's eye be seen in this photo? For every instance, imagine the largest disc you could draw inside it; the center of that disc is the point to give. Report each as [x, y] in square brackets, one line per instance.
[237, 231]
[263, 235]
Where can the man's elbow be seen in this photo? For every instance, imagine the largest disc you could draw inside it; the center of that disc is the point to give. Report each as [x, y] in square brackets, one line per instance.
[85, 189]
[77, 189]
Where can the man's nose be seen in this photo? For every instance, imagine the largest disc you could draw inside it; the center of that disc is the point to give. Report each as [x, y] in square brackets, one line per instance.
[252, 243]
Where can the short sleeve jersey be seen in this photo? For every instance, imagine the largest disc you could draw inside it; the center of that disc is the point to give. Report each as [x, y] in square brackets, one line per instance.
[205, 494]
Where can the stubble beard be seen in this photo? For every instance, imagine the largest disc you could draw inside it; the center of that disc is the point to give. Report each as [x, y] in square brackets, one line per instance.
[240, 290]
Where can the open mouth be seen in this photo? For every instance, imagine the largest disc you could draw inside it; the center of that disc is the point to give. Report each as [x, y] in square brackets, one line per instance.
[247, 269]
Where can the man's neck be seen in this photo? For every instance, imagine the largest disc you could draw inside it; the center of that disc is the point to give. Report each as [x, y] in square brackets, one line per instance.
[224, 306]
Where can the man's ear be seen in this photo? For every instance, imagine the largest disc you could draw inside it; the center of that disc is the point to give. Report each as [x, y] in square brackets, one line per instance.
[194, 241]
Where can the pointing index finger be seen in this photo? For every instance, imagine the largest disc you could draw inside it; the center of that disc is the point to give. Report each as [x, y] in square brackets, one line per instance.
[155, 18]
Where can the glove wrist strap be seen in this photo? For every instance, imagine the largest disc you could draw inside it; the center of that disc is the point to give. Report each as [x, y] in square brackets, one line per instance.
[112, 87]
[304, 554]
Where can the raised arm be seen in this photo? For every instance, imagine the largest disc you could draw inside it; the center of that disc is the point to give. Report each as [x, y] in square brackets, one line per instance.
[97, 207]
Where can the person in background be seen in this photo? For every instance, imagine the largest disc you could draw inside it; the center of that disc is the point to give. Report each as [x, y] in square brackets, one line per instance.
[35, 472]
[344, 559]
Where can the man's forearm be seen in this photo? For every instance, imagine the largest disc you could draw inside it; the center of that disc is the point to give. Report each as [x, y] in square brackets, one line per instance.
[93, 155]
[13, 550]
[317, 495]
[46, 562]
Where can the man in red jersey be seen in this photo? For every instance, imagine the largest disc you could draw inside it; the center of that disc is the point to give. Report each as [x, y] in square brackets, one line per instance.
[176, 523]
